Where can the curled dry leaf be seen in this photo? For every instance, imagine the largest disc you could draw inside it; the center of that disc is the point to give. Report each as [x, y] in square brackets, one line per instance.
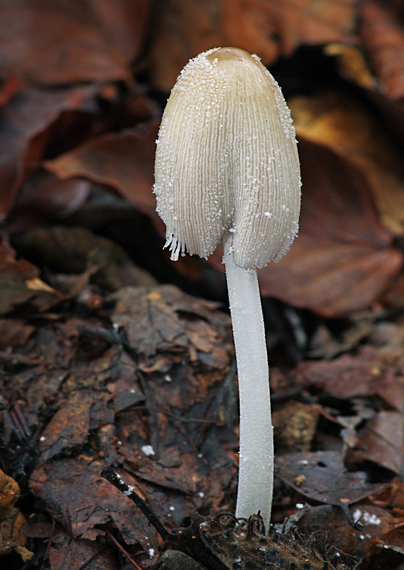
[342, 259]
[380, 441]
[362, 375]
[51, 43]
[124, 161]
[65, 487]
[341, 123]
[20, 283]
[26, 115]
[321, 476]
[184, 28]
[43, 198]
[382, 34]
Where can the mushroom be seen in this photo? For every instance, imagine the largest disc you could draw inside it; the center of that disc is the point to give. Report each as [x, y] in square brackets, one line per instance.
[227, 169]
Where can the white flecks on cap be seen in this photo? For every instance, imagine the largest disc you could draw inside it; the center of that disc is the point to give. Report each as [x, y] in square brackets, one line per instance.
[226, 160]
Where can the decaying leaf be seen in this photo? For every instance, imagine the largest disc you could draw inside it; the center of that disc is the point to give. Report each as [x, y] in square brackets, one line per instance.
[381, 442]
[72, 47]
[344, 125]
[352, 376]
[342, 259]
[79, 553]
[321, 476]
[76, 250]
[12, 520]
[20, 283]
[124, 161]
[375, 521]
[26, 115]
[382, 34]
[185, 28]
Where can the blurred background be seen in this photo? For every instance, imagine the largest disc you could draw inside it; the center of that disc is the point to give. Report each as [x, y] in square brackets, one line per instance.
[83, 85]
[101, 365]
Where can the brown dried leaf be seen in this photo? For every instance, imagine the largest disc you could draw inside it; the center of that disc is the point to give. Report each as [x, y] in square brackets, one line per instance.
[44, 198]
[352, 64]
[385, 554]
[65, 487]
[353, 376]
[153, 322]
[11, 535]
[380, 441]
[124, 161]
[14, 332]
[382, 35]
[327, 519]
[60, 43]
[81, 554]
[78, 250]
[8, 89]
[20, 283]
[9, 491]
[125, 21]
[26, 115]
[184, 28]
[339, 122]
[342, 259]
[321, 476]
[68, 429]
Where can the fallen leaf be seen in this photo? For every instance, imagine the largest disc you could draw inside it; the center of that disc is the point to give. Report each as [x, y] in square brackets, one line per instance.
[14, 332]
[125, 21]
[155, 321]
[352, 64]
[333, 522]
[380, 441]
[342, 259]
[9, 491]
[352, 376]
[8, 89]
[20, 283]
[76, 496]
[124, 161]
[184, 28]
[12, 537]
[77, 250]
[344, 125]
[68, 429]
[325, 478]
[27, 114]
[81, 554]
[44, 198]
[50, 43]
[382, 35]
[384, 554]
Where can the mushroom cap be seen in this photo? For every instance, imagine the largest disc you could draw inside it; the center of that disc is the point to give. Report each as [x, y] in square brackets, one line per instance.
[227, 161]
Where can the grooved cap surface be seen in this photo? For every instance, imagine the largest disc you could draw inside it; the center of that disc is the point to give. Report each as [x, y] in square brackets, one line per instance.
[226, 161]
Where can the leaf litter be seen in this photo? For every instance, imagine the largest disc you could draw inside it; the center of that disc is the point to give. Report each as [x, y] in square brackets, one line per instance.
[102, 366]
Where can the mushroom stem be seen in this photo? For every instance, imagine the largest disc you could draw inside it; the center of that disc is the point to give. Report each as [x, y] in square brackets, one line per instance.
[256, 470]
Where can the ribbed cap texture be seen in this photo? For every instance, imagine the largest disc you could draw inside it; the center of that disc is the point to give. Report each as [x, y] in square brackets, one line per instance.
[227, 160]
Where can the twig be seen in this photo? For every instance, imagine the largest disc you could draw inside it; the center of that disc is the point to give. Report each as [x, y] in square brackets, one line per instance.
[110, 475]
[126, 554]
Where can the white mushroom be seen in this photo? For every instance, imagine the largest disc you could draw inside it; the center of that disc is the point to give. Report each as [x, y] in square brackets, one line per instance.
[227, 169]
